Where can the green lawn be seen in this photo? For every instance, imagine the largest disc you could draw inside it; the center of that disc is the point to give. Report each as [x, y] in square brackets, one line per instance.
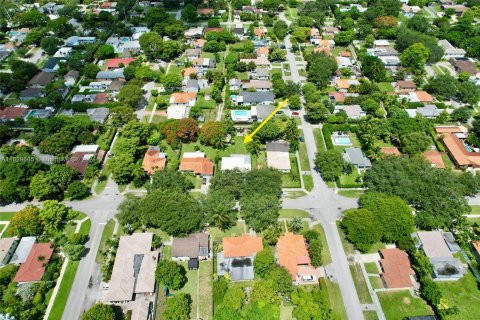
[292, 179]
[335, 297]
[371, 267]
[463, 294]
[376, 282]
[206, 298]
[295, 194]
[370, 315]
[326, 257]
[237, 147]
[350, 180]
[204, 104]
[6, 216]
[217, 234]
[302, 151]
[107, 234]
[191, 288]
[293, 213]
[475, 210]
[319, 139]
[400, 304]
[63, 291]
[103, 179]
[351, 193]
[286, 312]
[308, 182]
[385, 87]
[360, 284]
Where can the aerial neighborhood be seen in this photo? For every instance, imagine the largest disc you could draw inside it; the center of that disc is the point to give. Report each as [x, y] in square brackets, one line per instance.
[239, 159]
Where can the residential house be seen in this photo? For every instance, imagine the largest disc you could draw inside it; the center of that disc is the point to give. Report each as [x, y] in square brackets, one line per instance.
[204, 64]
[344, 63]
[259, 62]
[450, 51]
[258, 85]
[476, 249]
[405, 86]
[154, 160]
[416, 96]
[237, 257]
[193, 54]
[459, 9]
[63, 52]
[193, 247]
[31, 93]
[454, 140]
[260, 33]
[197, 163]
[52, 65]
[428, 111]
[205, 12]
[315, 36]
[186, 99]
[40, 113]
[292, 254]
[356, 157]
[98, 114]
[465, 65]
[71, 78]
[82, 155]
[435, 158]
[262, 52]
[23, 250]
[76, 41]
[381, 44]
[247, 98]
[240, 32]
[261, 112]
[352, 111]
[337, 97]
[13, 113]
[116, 85]
[445, 266]
[235, 84]
[138, 31]
[198, 43]
[117, 63]
[194, 33]
[133, 274]
[242, 162]
[33, 268]
[278, 156]
[116, 74]
[192, 85]
[397, 273]
[187, 72]
[330, 31]
[178, 112]
[41, 80]
[7, 249]
[259, 74]
[344, 84]
[410, 11]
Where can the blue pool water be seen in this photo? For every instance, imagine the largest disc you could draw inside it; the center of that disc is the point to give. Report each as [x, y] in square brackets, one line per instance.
[240, 113]
[125, 39]
[342, 141]
[468, 148]
[12, 33]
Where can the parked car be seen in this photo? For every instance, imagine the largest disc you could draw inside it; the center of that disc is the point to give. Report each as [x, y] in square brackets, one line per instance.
[295, 113]
[302, 139]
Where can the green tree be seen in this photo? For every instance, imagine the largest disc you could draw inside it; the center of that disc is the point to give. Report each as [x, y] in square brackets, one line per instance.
[213, 133]
[168, 180]
[414, 142]
[415, 57]
[52, 214]
[234, 298]
[152, 44]
[73, 251]
[178, 307]
[310, 305]
[77, 190]
[461, 114]
[260, 212]
[171, 274]
[130, 95]
[217, 206]
[171, 81]
[42, 186]
[90, 70]
[105, 51]
[189, 13]
[50, 44]
[330, 163]
[26, 222]
[170, 50]
[264, 293]
[373, 68]
[100, 311]
[320, 68]
[362, 229]
[264, 262]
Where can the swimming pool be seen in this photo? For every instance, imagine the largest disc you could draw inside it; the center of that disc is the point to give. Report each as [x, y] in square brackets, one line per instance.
[125, 39]
[342, 141]
[467, 148]
[241, 113]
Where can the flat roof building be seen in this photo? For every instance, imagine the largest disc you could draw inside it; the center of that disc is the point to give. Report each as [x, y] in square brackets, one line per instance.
[23, 250]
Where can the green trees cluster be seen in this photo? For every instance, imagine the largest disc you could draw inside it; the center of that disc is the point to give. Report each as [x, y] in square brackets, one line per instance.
[156, 48]
[446, 86]
[320, 68]
[331, 164]
[171, 274]
[102, 311]
[437, 195]
[53, 183]
[179, 131]
[178, 307]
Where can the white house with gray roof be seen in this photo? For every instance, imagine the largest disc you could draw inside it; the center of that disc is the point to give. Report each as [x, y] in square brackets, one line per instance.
[356, 157]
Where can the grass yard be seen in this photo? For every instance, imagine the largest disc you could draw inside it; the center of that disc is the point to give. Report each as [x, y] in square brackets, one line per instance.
[319, 139]
[294, 194]
[349, 180]
[376, 282]
[463, 294]
[63, 291]
[292, 179]
[107, 234]
[308, 182]
[326, 257]
[370, 315]
[238, 147]
[360, 283]
[347, 246]
[385, 87]
[102, 179]
[400, 304]
[191, 288]
[336, 51]
[351, 193]
[206, 298]
[475, 210]
[6, 216]
[302, 151]
[335, 297]
[261, 160]
[293, 213]
[217, 234]
[371, 267]
[205, 104]
[286, 312]
[242, 75]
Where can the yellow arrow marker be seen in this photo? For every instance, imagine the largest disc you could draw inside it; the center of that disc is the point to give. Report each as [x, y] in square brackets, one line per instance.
[249, 137]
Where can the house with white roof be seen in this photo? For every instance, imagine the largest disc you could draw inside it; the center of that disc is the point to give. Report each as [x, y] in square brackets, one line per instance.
[242, 162]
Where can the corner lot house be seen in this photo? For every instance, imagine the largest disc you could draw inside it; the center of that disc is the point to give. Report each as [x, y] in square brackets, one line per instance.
[133, 274]
[397, 271]
[82, 155]
[356, 157]
[154, 160]
[197, 163]
[195, 246]
[33, 268]
[293, 255]
[278, 156]
[237, 257]
[445, 266]
[242, 162]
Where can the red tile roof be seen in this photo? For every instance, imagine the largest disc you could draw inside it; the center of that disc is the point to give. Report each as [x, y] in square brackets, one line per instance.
[459, 153]
[115, 63]
[292, 252]
[435, 158]
[12, 112]
[244, 246]
[396, 268]
[337, 96]
[204, 11]
[183, 97]
[390, 151]
[152, 161]
[34, 267]
[423, 96]
[203, 166]
[79, 161]
[100, 98]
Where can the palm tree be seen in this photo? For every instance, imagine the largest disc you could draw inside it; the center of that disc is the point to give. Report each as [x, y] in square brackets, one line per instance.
[220, 217]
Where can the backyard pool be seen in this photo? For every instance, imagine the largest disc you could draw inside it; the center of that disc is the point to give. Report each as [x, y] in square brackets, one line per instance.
[341, 140]
[467, 147]
[125, 39]
[241, 113]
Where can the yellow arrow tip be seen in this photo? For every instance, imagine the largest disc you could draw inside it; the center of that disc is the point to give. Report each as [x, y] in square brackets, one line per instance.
[248, 138]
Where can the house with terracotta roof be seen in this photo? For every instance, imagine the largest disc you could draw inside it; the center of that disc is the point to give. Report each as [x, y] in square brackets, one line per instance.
[262, 52]
[326, 50]
[476, 249]
[118, 63]
[199, 43]
[405, 85]
[292, 254]
[454, 140]
[154, 160]
[435, 158]
[12, 113]
[390, 151]
[260, 32]
[397, 271]
[417, 96]
[197, 163]
[189, 71]
[33, 268]
[344, 84]
[186, 99]
[237, 257]
[205, 12]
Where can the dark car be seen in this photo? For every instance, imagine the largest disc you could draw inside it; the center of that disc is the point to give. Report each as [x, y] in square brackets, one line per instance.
[295, 113]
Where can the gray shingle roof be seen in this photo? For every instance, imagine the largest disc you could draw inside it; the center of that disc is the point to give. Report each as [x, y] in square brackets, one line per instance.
[257, 97]
[355, 156]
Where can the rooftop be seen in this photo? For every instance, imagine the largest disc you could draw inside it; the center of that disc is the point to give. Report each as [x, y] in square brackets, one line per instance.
[244, 246]
[193, 246]
[203, 166]
[34, 267]
[153, 160]
[433, 244]
[396, 268]
[292, 252]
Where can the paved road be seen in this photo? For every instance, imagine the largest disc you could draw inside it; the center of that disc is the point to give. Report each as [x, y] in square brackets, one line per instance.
[326, 206]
